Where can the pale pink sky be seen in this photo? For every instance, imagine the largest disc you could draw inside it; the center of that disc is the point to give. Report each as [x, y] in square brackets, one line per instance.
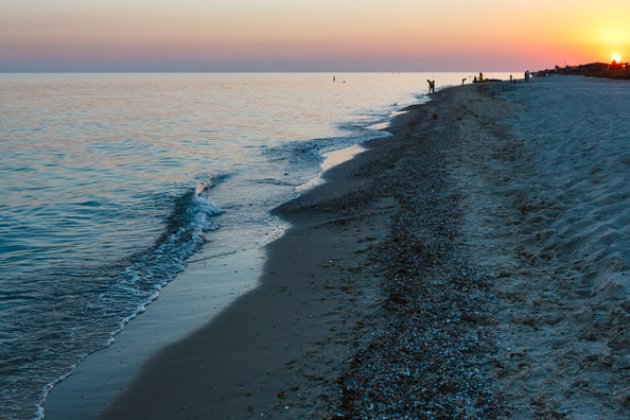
[322, 35]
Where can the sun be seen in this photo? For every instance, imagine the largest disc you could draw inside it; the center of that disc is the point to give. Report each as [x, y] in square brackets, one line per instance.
[616, 58]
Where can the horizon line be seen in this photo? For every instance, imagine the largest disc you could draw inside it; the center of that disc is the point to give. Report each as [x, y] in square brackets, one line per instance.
[252, 71]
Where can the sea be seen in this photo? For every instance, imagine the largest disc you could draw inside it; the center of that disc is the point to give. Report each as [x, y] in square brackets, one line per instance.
[111, 183]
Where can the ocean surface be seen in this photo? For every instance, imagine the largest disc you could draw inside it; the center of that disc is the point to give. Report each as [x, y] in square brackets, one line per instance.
[112, 182]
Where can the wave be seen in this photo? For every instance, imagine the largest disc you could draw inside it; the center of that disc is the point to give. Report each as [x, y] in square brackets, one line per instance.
[310, 152]
[358, 128]
[190, 218]
[142, 277]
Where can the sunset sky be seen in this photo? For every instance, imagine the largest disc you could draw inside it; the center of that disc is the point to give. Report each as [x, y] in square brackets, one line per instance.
[322, 35]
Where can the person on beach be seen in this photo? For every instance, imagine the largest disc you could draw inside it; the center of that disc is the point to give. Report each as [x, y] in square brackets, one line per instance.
[431, 85]
[527, 75]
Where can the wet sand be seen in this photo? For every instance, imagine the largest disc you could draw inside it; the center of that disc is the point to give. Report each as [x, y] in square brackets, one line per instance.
[445, 273]
[279, 349]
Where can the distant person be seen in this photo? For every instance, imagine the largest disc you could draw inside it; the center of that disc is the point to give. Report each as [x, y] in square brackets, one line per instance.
[480, 77]
[334, 78]
[464, 80]
[527, 75]
[511, 79]
[431, 85]
[475, 79]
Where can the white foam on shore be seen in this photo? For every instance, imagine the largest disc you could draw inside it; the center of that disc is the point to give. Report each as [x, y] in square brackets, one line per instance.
[331, 159]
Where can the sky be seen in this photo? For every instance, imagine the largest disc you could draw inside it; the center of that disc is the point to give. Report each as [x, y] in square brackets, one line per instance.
[309, 35]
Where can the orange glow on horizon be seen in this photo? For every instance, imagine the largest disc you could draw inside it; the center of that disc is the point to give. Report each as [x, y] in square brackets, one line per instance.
[360, 35]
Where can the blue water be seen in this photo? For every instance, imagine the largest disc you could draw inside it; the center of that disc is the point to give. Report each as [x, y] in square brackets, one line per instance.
[111, 182]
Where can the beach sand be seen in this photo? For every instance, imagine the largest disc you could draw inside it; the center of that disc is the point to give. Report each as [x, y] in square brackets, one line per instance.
[278, 349]
[473, 265]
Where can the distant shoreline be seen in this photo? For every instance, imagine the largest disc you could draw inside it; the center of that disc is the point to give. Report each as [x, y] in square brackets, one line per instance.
[618, 71]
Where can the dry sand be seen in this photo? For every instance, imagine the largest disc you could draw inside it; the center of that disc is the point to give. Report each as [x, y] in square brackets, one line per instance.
[473, 265]
[558, 168]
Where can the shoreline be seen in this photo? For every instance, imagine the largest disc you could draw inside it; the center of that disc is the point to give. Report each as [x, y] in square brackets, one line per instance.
[434, 274]
[183, 307]
[98, 379]
[321, 302]
[278, 148]
[294, 325]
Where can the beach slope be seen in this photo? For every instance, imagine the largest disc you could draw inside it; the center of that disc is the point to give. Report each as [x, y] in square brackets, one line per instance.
[475, 264]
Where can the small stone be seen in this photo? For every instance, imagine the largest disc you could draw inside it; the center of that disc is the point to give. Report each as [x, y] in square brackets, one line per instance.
[606, 357]
[619, 317]
[611, 289]
[622, 396]
[583, 314]
[621, 362]
[620, 341]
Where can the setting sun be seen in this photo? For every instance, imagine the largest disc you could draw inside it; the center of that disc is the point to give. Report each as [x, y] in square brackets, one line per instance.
[616, 58]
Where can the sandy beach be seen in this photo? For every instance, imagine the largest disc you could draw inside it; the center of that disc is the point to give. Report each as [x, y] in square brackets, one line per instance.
[475, 264]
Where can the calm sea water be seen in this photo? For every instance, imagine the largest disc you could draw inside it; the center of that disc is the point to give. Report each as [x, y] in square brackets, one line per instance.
[111, 182]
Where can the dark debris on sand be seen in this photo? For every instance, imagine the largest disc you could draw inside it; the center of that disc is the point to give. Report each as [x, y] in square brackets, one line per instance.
[430, 356]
